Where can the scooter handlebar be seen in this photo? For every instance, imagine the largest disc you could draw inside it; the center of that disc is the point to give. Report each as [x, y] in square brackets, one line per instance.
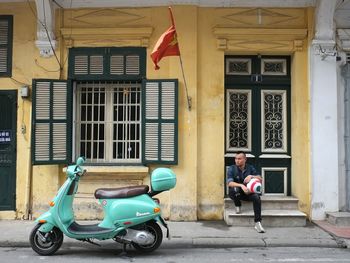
[81, 172]
[76, 169]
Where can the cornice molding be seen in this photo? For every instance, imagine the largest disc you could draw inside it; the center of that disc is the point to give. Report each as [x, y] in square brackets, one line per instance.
[259, 39]
[204, 3]
[125, 36]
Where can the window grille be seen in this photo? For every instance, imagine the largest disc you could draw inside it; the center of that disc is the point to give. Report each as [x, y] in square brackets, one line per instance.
[108, 122]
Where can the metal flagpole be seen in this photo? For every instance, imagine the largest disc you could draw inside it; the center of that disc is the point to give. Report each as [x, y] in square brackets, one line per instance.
[189, 101]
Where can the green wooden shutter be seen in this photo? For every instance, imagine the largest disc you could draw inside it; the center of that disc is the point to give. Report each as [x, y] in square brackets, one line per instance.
[123, 63]
[51, 122]
[160, 121]
[6, 24]
[87, 63]
[126, 63]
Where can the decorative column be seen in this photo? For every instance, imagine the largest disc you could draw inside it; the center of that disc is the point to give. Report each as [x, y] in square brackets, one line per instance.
[45, 42]
[324, 115]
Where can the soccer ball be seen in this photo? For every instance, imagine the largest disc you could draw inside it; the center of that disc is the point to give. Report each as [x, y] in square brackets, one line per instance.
[254, 186]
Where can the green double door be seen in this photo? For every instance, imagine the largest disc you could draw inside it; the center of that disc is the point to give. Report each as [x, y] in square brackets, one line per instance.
[257, 117]
[8, 123]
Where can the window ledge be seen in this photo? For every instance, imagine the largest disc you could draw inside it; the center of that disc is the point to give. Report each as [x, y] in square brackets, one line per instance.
[121, 172]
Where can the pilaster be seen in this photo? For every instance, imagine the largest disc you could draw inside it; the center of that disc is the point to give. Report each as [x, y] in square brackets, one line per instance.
[324, 115]
[45, 42]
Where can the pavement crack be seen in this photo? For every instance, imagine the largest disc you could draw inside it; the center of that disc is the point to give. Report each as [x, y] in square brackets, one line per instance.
[263, 239]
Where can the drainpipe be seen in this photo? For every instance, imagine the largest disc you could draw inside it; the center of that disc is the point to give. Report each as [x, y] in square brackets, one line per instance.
[28, 194]
[346, 75]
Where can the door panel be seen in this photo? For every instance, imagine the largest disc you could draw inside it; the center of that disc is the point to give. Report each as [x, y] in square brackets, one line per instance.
[257, 91]
[8, 120]
[238, 120]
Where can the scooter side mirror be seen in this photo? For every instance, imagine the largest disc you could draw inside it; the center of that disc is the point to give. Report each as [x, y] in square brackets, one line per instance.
[80, 160]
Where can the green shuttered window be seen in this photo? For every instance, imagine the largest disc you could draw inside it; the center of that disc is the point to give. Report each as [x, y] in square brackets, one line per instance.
[6, 25]
[119, 117]
[51, 138]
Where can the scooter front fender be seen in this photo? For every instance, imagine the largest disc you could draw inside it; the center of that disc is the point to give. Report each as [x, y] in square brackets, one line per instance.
[47, 222]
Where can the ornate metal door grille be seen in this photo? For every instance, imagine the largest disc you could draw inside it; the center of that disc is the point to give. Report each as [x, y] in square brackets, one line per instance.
[274, 113]
[257, 90]
[238, 120]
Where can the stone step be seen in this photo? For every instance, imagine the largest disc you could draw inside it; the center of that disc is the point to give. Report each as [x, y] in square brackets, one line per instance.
[269, 203]
[274, 218]
[338, 218]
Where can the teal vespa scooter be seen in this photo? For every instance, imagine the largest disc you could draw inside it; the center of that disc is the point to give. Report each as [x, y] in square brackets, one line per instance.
[130, 214]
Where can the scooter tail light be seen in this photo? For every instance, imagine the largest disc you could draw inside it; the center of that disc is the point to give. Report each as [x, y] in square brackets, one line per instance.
[52, 203]
[42, 221]
[156, 209]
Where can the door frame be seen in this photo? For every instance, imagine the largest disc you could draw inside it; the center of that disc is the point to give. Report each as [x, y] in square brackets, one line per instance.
[253, 80]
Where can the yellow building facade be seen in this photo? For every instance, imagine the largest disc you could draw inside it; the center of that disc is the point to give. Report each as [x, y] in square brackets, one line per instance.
[205, 35]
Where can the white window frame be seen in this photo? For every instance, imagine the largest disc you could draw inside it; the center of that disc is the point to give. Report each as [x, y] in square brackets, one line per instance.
[109, 123]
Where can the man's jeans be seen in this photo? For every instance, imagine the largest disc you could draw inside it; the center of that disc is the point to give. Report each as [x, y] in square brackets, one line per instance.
[237, 194]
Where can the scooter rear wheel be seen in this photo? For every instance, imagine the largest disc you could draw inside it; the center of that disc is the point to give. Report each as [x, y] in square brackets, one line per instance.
[156, 231]
[45, 243]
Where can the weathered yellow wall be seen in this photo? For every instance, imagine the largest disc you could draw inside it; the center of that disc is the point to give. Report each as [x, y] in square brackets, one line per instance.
[211, 120]
[182, 201]
[301, 173]
[24, 68]
[200, 170]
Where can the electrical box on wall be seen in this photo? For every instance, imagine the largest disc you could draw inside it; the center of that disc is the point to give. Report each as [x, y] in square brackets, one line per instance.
[24, 92]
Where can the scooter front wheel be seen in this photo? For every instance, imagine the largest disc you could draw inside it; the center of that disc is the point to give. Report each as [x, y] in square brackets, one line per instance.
[45, 243]
[156, 231]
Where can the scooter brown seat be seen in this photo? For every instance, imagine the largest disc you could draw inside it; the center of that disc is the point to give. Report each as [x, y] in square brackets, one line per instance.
[122, 192]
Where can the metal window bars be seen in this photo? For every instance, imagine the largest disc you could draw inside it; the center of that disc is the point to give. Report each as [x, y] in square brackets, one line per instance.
[108, 122]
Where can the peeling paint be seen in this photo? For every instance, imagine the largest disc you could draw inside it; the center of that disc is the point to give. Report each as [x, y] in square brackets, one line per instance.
[317, 205]
[210, 212]
[183, 213]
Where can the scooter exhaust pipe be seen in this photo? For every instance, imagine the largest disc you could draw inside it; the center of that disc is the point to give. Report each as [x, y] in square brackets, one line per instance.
[136, 236]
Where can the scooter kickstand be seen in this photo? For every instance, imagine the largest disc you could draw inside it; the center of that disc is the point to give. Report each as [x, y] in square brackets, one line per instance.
[91, 242]
[124, 248]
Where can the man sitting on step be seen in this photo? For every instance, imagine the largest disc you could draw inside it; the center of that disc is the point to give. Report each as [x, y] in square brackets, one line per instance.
[237, 179]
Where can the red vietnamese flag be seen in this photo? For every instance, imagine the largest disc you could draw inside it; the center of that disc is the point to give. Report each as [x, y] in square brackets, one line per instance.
[166, 45]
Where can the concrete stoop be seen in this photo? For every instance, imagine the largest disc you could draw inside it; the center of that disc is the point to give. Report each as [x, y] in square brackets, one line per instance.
[341, 219]
[276, 212]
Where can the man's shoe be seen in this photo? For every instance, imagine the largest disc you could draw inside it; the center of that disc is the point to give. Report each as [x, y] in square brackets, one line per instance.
[259, 228]
[238, 209]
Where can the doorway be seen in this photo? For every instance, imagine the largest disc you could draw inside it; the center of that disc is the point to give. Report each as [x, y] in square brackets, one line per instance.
[258, 117]
[8, 128]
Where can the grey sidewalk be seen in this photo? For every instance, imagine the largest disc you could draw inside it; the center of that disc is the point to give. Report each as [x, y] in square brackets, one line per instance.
[15, 233]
